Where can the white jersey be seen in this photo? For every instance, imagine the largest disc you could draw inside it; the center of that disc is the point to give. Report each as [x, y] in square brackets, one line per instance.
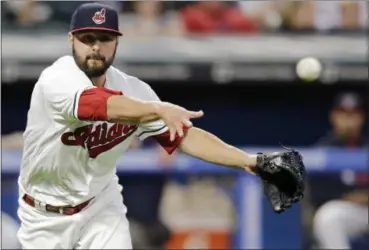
[67, 161]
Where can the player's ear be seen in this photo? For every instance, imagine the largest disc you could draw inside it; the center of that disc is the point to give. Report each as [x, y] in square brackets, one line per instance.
[70, 39]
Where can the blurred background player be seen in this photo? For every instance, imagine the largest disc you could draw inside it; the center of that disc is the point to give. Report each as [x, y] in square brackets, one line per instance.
[347, 118]
[344, 218]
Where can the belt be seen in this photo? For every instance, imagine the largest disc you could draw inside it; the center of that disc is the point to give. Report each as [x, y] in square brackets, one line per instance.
[66, 210]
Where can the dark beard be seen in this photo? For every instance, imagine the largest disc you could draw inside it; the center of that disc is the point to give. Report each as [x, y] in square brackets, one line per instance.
[93, 72]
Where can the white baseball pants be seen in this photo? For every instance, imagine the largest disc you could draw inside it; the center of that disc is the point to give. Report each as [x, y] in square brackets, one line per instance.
[101, 225]
[337, 222]
[9, 228]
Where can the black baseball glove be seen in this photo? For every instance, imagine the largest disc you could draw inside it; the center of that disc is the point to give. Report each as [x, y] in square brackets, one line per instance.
[283, 175]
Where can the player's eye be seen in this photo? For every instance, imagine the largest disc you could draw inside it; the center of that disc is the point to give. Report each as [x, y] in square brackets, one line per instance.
[87, 39]
[105, 38]
[91, 39]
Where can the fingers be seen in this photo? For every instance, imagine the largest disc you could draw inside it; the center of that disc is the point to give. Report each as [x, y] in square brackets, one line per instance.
[176, 129]
[172, 132]
[190, 115]
[195, 114]
[187, 123]
[176, 119]
[179, 129]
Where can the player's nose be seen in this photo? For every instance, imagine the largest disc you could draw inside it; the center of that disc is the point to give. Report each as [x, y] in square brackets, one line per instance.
[96, 47]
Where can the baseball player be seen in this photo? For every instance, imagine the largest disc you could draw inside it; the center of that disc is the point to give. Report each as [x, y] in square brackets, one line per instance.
[83, 115]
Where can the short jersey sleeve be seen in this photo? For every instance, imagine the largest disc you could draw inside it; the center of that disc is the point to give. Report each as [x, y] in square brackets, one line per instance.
[151, 128]
[62, 96]
[158, 129]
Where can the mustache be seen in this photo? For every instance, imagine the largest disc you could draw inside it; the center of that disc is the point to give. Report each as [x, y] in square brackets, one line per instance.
[96, 57]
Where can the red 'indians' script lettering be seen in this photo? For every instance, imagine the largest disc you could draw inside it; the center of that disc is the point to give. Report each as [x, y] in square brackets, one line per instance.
[100, 139]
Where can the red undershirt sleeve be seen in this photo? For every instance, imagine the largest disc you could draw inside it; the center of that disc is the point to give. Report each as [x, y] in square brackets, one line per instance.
[169, 146]
[91, 105]
[159, 131]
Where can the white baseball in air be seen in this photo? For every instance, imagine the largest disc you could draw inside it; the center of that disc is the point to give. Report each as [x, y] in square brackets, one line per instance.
[309, 69]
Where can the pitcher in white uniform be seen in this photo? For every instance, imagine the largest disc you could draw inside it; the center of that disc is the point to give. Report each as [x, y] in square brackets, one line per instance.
[83, 115]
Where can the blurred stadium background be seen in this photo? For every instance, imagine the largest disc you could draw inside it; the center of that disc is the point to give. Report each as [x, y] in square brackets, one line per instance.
[236, 61]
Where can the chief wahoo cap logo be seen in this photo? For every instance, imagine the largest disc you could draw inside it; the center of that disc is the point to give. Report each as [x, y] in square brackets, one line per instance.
[99, 16]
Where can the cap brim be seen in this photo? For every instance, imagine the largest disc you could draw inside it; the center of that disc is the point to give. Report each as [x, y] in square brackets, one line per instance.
[99, 29]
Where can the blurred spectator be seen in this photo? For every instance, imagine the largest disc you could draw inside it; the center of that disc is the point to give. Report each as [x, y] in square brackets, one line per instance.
[216, 17]
[9, 229]
[151, 18]
[266, 14]
[341, 220]
[63, 10]
[45, 14]
[204, 17]
[326, 15]
[27, 12]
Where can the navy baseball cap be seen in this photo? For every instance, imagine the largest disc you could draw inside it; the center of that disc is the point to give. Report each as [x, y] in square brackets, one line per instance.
[95, 16]
[348, 102]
